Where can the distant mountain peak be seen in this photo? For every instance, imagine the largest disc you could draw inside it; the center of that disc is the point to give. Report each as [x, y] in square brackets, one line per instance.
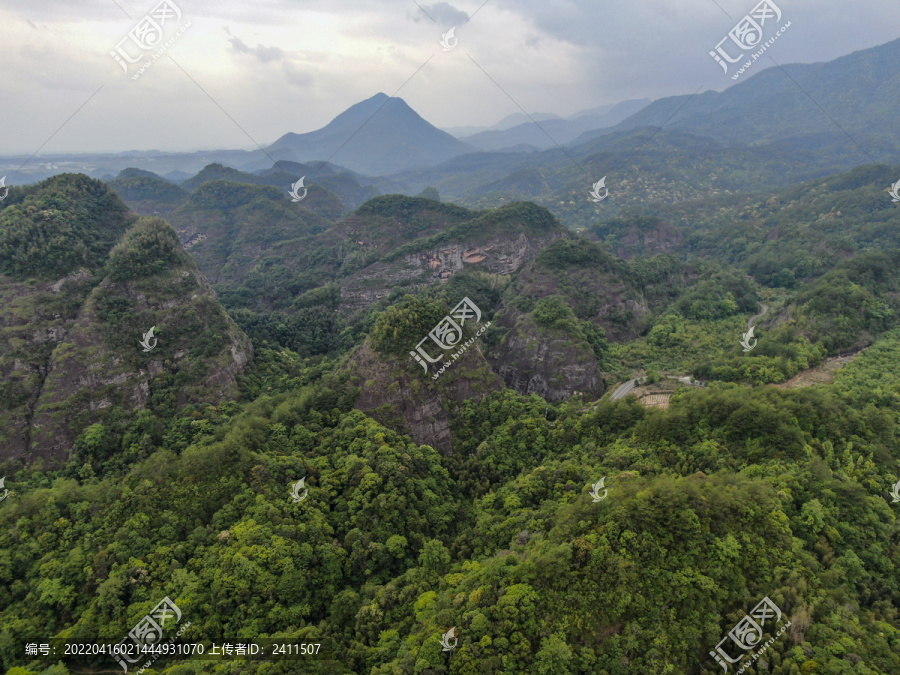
[377, 136]
[379, 103]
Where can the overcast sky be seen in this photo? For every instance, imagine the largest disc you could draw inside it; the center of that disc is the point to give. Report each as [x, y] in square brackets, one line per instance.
[252, 71]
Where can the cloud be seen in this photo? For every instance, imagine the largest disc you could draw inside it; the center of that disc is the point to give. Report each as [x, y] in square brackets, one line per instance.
[297, 77]
[442, 13]
[309, 61]
[261, 52]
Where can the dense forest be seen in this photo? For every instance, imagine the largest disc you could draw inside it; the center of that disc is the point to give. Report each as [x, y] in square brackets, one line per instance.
[284, 354]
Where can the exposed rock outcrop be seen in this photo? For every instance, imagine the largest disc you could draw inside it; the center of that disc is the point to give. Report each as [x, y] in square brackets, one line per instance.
[549, 363]
[35, 317]
[70, 350]
[401, 396]
[500, 255]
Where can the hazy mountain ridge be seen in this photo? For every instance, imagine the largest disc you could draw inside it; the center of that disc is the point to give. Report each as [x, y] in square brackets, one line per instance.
[552, 132]
[857, 91]
[508, 122]
[762, 133]
[766, 110]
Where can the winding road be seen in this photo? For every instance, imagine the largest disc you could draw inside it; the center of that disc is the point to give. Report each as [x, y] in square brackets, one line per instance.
[625, 389]
[765, 308]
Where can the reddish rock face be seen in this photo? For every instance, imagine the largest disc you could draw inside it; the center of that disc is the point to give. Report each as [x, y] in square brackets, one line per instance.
[502, 255]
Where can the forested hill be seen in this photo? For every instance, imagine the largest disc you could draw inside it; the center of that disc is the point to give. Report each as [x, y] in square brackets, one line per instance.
[781, 237]
[728, 497]
[82, 282]
[505, 498]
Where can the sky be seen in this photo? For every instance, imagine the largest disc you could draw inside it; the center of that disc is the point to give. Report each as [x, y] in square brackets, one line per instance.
[238, 74]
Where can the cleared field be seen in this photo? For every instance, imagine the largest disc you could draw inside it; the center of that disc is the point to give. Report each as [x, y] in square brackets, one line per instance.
[656, 400]
[822, 374]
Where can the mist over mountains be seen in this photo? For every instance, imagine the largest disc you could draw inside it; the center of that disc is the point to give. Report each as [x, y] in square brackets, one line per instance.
[812, 106]
[552, 131]
[775, 119]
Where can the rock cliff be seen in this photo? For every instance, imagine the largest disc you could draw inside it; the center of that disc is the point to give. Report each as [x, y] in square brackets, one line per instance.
[74, 310]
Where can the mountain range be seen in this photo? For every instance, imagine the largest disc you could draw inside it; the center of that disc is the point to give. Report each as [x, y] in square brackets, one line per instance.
[552, 131]
[846, 105]
[433, 404]
[508, 122]
[788, 123]
[312, 276]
